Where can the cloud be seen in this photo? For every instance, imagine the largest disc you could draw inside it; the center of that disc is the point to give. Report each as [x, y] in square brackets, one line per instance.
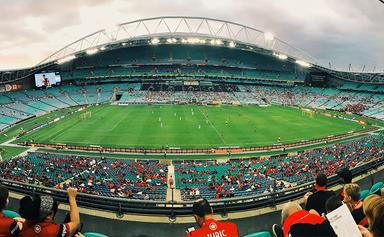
[340, 32]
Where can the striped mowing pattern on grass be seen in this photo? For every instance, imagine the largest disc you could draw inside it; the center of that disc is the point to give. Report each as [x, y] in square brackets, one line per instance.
[156, 126]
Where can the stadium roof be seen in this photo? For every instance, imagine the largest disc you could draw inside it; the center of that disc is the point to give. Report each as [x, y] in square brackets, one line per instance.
[188, 30]
[180, 26]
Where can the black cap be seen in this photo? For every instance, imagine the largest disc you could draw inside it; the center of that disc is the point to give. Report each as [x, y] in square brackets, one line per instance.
[37, 208]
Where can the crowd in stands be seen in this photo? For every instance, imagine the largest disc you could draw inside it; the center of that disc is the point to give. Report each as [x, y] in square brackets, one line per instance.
[36, 214]
[36, 217]
[210, 179]
[314, 219]
[126, 178]
[323, 98]
[21, 105]
[147, 180]
[106, 177]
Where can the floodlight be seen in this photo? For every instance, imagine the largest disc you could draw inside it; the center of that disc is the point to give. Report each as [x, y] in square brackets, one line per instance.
[124, 44]
[218, 42]
[102, 48]
[268, 36]
[193, 40]
[202, 41]
[155, 41]
[184, 41]
[280, 56]
[171, 40]
[303, 63]
[232, 44]
[92, 51]
[212, 42]
[66, 59]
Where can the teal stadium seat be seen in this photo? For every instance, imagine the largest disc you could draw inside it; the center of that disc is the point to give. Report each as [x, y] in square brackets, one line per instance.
[10, 214]
[375, 189]
[94, 234]
[259, 234]
[364, 194]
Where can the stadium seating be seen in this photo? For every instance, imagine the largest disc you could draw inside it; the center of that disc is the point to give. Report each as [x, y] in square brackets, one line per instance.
[259, 234]
[375, 189]
[143, 179]
[94, 234]
[364, 194]
[10, 214]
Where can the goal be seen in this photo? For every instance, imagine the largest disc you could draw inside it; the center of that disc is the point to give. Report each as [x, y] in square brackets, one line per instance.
[86, 115]
[308, 112]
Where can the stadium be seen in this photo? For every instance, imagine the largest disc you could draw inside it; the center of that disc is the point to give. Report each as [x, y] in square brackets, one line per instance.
[148, 117]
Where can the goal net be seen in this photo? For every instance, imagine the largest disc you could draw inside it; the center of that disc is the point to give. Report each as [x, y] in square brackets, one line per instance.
[86, 115]
[308, 112]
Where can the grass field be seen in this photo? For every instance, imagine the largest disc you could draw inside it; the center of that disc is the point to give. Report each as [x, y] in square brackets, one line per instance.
[31, 123]
[155, 126]
[10, 152]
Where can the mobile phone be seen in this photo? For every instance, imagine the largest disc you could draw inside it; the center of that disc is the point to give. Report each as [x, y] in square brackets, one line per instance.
[190, 229]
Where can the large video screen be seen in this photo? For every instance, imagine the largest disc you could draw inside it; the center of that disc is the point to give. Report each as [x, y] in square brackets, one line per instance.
[47, 79]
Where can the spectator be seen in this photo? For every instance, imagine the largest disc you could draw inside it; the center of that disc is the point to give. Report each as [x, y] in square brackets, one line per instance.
[374, 209]
[345, 176]
[39, 212]
[316, 201]
[202, 212]
[352, 199]
[332, 204]
[8, 226]
[319, 230]
[292, 214]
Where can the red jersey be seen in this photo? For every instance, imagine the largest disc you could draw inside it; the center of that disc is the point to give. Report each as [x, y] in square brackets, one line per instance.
[45, 229]
[213, 228]
[303, 217]
[8, 227]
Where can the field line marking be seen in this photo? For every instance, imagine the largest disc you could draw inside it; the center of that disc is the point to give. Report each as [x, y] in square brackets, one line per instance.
[213, 126]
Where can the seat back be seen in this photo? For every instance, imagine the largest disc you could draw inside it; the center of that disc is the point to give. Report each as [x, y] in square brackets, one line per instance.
[259, 234]
[94, 234]
[10, 214]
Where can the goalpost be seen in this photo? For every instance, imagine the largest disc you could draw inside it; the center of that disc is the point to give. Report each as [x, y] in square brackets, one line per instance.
[308, 112]
[85, 115]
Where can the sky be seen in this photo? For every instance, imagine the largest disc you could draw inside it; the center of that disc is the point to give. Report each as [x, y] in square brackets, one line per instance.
[340, 32]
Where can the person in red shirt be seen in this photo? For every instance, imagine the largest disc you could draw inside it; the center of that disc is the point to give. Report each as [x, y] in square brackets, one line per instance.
[292, 214]
[8, 227]
[209, 227]
[40, 211]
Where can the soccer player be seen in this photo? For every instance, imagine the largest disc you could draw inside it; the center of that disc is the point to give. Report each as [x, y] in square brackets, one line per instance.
[209, 227]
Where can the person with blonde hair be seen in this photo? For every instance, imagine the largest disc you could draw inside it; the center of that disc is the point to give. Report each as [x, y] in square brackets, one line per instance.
[373, 207]
[352, 199]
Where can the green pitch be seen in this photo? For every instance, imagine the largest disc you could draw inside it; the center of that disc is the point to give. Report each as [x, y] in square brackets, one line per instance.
[155, 126]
